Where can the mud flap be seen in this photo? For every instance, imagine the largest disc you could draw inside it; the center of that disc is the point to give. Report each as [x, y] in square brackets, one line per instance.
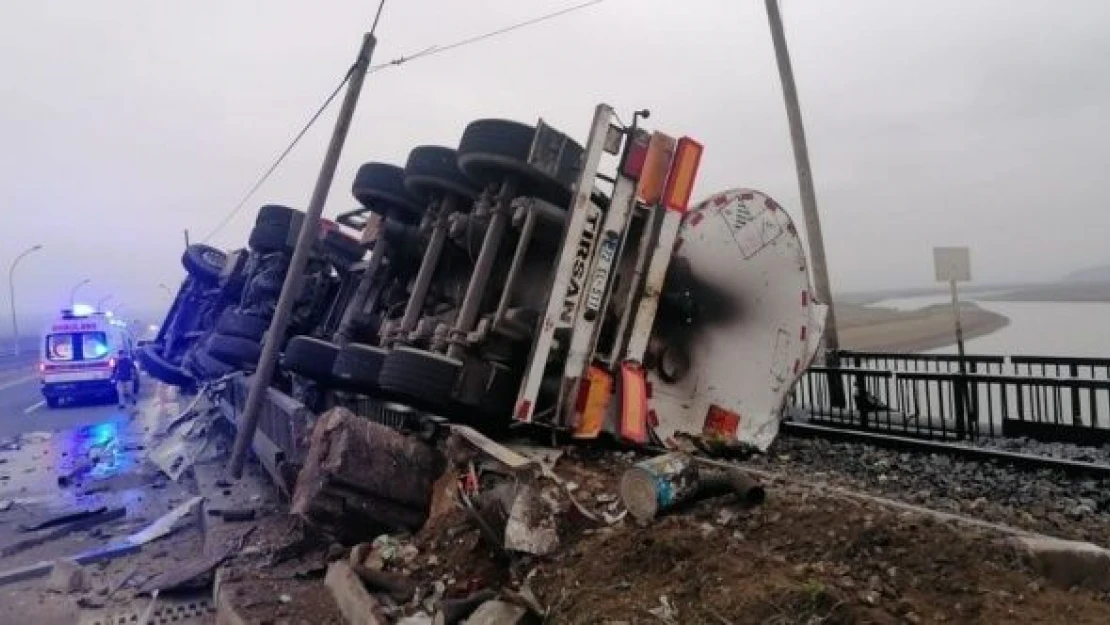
[634, 406]
[597, 393]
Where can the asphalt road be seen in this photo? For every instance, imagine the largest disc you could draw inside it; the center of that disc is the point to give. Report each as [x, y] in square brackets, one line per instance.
[22, 408]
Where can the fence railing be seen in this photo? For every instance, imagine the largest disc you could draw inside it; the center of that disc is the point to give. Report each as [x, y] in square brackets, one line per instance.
[1065, 399]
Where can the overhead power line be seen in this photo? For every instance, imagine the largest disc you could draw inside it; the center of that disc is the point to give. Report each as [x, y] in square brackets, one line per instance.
[434, 50]
[430, 51]
[281, 157]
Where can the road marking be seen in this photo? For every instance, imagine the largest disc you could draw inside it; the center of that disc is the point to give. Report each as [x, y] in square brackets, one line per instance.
[14, 383]
[35, 407]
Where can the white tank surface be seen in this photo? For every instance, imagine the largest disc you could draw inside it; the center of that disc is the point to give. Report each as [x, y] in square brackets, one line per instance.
[740, 326]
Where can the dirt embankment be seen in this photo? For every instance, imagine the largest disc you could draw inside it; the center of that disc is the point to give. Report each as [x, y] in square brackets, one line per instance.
[872, 328]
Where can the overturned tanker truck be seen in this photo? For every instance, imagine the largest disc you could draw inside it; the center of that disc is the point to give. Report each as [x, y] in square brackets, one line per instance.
[523, 278]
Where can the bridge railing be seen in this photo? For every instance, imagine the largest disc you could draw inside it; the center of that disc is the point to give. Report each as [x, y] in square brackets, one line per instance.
[927, 397]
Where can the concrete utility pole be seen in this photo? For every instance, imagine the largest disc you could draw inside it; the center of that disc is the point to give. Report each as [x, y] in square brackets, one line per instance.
[291, 287]
[808, 194]
[11, 289]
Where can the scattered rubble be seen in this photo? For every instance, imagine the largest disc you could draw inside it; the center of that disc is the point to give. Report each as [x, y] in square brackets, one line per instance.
[68, 577]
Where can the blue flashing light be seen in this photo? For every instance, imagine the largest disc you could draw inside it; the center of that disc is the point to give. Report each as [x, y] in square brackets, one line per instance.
[99, 350]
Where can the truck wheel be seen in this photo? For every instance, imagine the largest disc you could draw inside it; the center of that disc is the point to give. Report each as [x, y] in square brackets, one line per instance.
[357, 366]
[205, 367]
[425, 378]
[235, 323]
[276, 214]
[310, 357]
[234, 350]
[433, 170]
[270, 237]
[204, 262]
[380, 187]
[161, 369]
[491, 149]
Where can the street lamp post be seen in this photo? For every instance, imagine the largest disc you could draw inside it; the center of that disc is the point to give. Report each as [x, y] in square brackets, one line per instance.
[77, 287]
[11, 289]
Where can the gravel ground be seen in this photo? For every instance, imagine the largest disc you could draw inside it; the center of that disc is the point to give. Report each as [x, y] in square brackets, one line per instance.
[1044, 501]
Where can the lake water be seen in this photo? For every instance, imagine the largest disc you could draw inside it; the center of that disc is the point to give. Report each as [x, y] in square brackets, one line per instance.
[1036, 328]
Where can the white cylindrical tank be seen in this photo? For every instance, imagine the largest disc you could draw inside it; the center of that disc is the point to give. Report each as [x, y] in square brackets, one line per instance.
[737, 325]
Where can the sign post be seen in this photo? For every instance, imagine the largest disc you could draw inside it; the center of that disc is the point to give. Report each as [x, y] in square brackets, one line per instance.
[953, 265]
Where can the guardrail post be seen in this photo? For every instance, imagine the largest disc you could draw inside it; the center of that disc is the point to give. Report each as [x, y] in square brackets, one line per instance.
[1076, 417]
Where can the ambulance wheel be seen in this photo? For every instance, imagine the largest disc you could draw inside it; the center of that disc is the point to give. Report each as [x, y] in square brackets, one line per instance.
[161, 369]
[204, 262]
[234, 323]
[492, 149]
[432, 170]
[380, 187]
[310, 357]
[425, 378]
[357, 366]
[234, 350]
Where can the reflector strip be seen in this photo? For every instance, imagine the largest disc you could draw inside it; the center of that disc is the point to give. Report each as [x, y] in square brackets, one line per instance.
[684, 170]
[634, 410]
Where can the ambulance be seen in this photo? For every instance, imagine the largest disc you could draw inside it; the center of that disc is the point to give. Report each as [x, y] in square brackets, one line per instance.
[79, 351]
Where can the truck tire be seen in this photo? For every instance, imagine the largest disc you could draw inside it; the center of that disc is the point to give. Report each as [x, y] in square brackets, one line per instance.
[357, 366]
[425, 378]
[161, 369]
[380, 187]
[234, 350]
[205, 367]
[276, 214]
[310, 357]
[434, 170]
[491, 149]
[204, 262]
[270, 237]
[234, 323]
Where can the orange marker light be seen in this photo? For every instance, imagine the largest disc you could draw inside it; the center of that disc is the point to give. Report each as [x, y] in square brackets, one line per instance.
[657, 162]
[684, 170]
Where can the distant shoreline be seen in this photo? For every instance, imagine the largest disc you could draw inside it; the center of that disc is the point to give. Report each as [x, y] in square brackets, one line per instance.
[871, 328]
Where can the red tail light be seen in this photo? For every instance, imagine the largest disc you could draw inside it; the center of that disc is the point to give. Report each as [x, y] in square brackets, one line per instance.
[42, 367]
[111, 363]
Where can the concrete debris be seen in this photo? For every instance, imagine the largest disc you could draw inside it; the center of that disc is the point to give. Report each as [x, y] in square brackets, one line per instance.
[453, 611]
[68, 577]
[356, 604]
[1067, 563]
[531, 526]
[665, 611]
[362, 479]
[498, 613]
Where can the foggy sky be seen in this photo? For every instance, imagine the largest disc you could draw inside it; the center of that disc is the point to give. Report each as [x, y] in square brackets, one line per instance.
[930, 123]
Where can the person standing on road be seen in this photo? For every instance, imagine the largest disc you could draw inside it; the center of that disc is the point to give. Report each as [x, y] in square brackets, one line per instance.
[124, 377]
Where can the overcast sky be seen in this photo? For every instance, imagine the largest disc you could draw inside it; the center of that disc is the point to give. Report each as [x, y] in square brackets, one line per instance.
[930, 123]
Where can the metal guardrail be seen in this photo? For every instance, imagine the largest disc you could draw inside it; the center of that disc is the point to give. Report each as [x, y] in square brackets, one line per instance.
[925, 396]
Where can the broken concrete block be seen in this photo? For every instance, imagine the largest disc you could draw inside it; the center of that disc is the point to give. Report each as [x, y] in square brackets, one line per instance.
[531, 527]
[497, 613]
[355, 602]
[362, 479]
[1067, 563]
[67, 576]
